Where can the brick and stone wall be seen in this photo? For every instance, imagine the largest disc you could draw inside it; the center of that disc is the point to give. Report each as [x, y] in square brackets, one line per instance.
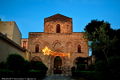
[7, 47]
[64, 42]
[59, 37]
[11, 30]
[51, 23]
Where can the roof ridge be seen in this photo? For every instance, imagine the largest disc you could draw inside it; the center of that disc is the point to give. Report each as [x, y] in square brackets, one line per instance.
[58, 17]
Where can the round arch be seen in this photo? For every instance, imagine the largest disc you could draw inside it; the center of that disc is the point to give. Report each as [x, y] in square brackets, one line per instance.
[57, 65]
[36, 58]
[57, 46]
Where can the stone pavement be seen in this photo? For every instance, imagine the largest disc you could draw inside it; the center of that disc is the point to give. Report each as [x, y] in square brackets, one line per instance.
[59, 77]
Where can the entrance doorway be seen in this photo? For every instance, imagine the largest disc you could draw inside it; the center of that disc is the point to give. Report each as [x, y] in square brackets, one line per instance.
[57, 65]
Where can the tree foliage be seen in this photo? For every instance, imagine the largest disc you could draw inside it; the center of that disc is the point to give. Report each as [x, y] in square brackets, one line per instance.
[16, 62]
[104, 39]
[94, 26]
[36, 65]
[17, 66]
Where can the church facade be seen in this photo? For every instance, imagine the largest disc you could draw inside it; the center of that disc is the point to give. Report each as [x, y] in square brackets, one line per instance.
[59, 37]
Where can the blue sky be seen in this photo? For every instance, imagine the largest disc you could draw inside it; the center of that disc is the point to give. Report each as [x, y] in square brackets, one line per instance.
[29, 14]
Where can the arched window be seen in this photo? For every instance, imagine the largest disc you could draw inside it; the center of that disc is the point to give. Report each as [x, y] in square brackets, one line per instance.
[79, 49]
[58, 28]
[37, 48]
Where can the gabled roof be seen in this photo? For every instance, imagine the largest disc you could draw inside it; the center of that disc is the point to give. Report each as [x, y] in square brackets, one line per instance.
[58, 17]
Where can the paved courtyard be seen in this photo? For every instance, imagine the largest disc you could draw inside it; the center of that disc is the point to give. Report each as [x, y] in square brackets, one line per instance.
[60, 77]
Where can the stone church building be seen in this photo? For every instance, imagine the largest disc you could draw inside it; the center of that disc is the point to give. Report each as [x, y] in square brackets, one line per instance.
[59, 37]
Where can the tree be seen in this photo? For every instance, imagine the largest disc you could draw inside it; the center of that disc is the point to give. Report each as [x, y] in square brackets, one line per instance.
[105, 46]
[94, 25]
[102, 43]
[103, 38]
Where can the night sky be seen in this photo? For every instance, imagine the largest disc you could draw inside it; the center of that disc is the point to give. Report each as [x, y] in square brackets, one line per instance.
[29, 14]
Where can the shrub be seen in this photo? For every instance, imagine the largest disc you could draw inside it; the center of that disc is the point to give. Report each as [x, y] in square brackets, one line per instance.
[17, 66]
[80, 67]
[2, 65]
[114, 67]
[110, 70]
[101, 66]
[16, 62]
[36, 65]
[91, 67]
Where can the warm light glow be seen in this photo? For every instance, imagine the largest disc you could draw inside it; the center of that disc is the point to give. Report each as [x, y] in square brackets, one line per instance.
[47, 51]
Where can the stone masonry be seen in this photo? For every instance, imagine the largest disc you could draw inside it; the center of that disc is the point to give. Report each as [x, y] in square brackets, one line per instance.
[59, 37]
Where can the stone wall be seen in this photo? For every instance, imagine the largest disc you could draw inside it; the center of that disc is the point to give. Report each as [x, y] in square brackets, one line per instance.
[16, 34]
[11, 30]
[65, 27]
[9, 47]
[63, 42]
[59, 37]
[24, 43]
[51, 23]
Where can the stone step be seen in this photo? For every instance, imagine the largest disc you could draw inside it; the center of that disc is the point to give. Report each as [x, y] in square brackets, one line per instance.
[57, 77]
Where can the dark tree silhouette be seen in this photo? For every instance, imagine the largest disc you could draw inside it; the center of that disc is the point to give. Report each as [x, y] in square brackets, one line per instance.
[105, 39]
[16, 62]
